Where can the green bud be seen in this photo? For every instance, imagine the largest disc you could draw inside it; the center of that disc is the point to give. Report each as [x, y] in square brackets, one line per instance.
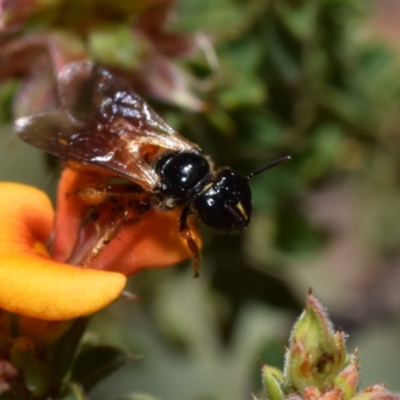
[37, 379]
[317, 366]
[34, 372]
[273, 382]
[376, 392]
[316, 353]
[349, 378]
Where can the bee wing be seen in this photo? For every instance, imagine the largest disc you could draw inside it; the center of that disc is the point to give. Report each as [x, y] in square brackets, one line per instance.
[102, 123]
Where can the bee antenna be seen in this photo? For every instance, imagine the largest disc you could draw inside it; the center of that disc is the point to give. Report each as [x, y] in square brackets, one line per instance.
[270, 165]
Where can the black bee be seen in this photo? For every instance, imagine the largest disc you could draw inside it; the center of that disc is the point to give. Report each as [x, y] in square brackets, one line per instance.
[103, 125]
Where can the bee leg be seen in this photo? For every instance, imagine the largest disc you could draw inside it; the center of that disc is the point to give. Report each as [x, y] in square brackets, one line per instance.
[104, 221]
[109, 233]
[186, 233]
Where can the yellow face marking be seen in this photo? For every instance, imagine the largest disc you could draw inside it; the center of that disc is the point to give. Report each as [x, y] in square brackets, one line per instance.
[241, 209]
[206, 187]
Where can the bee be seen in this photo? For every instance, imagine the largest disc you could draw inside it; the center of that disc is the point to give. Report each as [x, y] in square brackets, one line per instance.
[103, 126]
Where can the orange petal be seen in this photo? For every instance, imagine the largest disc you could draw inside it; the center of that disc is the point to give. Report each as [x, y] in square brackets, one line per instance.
[33, 284]
[26, 217]
[151, 242]
[70, 210]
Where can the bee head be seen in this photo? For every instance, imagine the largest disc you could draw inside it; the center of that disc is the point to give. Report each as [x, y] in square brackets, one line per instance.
[224, 204]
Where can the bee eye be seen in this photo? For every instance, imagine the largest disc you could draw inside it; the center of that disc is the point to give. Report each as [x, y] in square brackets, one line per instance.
[181, 172]
[226, 204]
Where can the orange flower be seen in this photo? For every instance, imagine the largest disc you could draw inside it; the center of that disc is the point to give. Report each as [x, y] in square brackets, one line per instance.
[35, 284]
[151, 241]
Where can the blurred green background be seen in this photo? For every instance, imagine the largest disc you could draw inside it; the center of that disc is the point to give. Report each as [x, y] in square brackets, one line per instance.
[248, 81]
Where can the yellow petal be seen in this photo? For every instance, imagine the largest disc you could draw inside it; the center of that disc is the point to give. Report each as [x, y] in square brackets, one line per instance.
[41, 288]
[33, 284]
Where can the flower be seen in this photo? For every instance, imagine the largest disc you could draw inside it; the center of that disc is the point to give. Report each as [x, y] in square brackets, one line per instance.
[31, 282]
[316, 353]
[36, 284]
[151, 241]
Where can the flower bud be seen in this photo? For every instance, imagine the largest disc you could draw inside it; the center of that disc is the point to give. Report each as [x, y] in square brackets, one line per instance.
[34, 371]
[273, 380]
[349, 378]
[316, 353]
[376, 392]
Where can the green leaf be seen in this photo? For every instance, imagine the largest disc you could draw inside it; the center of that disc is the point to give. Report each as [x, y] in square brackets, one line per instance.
[64, 352]
[241, 57]
[7, 93]
[209, 16]
[245, 91]
[73, 392]
[95, 363]
[260, 130]
[301, 20]
[115, 46]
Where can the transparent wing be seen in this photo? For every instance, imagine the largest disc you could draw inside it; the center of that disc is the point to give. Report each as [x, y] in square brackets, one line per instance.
[104, 124]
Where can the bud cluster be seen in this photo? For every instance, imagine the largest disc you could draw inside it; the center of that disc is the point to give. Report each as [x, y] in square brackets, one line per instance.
[317, 365]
